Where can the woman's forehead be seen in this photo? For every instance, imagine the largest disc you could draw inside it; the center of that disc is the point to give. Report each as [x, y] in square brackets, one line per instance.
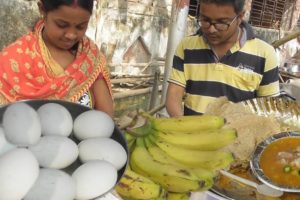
[70, 14]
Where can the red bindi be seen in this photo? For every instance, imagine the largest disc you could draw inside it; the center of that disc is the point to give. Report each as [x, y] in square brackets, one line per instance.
[75, 3]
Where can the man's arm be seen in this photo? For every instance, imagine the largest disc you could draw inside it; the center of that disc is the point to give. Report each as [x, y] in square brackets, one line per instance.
[174, 98]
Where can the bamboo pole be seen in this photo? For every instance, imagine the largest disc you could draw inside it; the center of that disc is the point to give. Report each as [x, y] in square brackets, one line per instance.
[130, 93]
[154, 63]
[177, 29]
[130, 80]
[286, 38]
[156, 109]
[134, 76]
[154, 93]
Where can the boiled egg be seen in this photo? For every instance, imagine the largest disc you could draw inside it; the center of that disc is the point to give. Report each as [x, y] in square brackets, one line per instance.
[94, 178]
[103, 149]
[52, 184]
[53, 151]
[93, 123]
[19, 170]
[21, 124]
[55, 119]
[4, 144]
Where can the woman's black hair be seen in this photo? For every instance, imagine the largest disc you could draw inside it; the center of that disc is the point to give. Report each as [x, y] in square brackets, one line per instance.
[50, 5]
[238, 5]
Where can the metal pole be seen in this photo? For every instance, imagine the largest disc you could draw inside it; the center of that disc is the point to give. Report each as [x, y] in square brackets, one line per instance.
[180, 10]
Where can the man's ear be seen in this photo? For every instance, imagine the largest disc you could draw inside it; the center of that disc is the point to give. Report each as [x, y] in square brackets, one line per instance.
[242, 14]
[240, 17]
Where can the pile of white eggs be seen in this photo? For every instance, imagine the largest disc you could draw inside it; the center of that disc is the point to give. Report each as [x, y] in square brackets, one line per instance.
[36, 147]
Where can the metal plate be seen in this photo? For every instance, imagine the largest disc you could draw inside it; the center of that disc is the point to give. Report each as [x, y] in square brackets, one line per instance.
[255, 161]
[75, 109]
[285, 111]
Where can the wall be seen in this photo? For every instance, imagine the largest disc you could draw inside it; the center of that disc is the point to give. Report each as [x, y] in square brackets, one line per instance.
[121, 23]
[16, 18]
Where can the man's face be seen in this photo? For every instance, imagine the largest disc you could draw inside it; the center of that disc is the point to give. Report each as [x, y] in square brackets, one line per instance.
[65, 26]
[225, 20]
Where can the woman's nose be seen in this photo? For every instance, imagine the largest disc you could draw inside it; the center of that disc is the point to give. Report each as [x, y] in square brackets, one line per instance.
[71, 35]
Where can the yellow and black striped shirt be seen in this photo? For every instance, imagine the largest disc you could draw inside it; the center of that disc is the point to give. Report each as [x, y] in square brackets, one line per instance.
[248, 70]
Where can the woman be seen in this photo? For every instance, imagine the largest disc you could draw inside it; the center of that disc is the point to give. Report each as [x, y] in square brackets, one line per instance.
[56, 60]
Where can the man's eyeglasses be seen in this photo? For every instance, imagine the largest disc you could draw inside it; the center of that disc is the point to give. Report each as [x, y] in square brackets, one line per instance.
[220, 26]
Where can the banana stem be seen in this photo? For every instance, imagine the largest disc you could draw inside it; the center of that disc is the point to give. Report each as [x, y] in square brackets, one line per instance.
[146, 115]
[140, 131]
[149, 114]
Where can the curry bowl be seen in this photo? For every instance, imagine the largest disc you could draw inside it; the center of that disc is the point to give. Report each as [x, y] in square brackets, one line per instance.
[276, 161]
[291, 68]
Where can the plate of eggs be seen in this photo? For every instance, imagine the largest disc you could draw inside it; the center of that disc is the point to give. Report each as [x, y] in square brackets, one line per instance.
[58, 150]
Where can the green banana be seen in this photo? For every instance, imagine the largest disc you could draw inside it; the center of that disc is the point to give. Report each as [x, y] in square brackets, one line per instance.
[186, 123]
[128, 136]
[130, 139]
[212, 139]
[212, 160]
[178, 196]
[160, 156]
[162, 196]
[140, 131]
[172, 178]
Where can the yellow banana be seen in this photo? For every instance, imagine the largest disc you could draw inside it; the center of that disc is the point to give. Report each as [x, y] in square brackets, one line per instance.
[136, 186]
[178, 196]
[212, 139]
[212, 160]
[172, 178]
[187, 123]
[162, 196]
[160, 156]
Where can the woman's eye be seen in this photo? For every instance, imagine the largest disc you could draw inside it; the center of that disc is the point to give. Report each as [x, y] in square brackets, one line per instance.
[62, 25]
[81, 27]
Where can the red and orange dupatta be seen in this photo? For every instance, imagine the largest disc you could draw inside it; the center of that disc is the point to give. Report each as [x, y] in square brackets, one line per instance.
[27, 70]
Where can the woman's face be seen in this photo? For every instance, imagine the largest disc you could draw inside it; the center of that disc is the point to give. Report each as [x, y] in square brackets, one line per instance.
[65, 26]
[220, 14]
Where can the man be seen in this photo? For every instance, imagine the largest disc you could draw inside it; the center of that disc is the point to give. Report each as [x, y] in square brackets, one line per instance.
[225, 59]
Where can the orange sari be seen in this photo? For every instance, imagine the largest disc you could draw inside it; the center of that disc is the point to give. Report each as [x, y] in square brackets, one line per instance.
[27, 70]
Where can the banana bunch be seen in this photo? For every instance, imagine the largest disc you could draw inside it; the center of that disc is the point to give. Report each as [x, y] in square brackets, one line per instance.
[175, 155]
